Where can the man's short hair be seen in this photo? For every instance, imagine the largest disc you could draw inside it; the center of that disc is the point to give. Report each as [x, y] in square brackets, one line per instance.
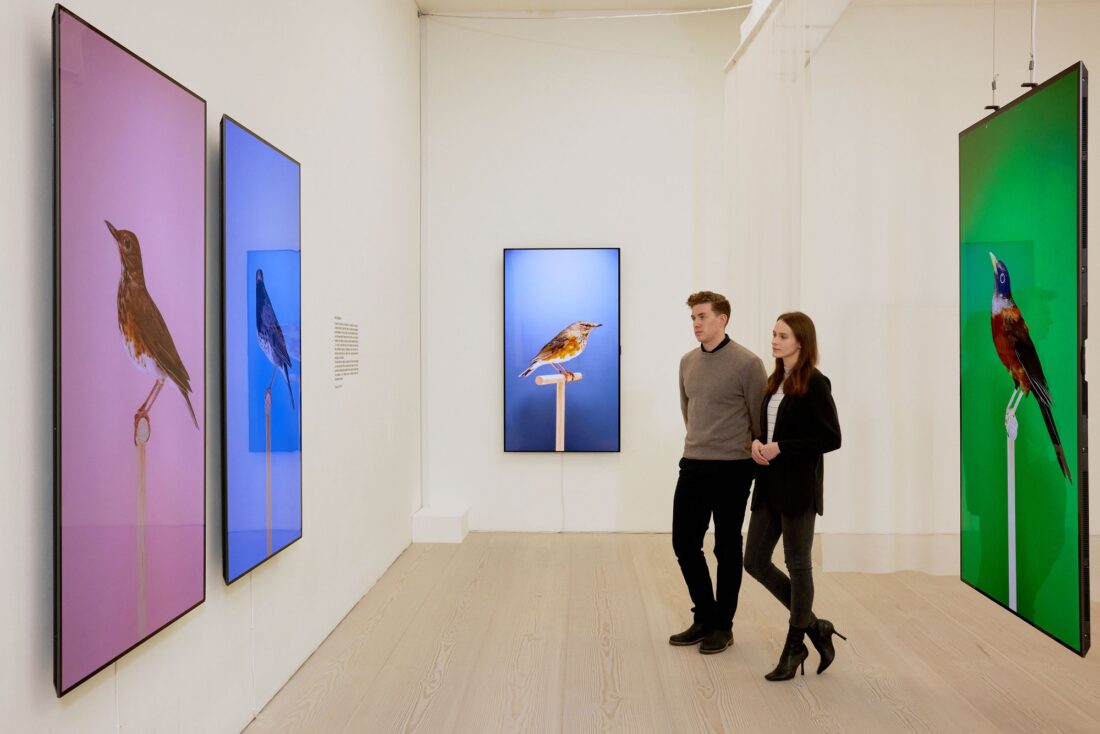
[717, 301]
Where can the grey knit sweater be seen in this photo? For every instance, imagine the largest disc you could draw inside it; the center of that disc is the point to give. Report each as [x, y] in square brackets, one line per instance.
[720, 395]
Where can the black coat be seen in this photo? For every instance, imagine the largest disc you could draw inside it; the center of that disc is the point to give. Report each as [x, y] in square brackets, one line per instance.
[805, 428]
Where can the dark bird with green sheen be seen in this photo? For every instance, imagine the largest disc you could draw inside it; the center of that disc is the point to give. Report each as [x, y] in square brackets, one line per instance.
[1018, 354]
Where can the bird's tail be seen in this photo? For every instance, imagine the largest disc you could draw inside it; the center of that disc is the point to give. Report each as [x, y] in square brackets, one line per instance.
[529, 370]
[286, 373]
[185, 397]
[1048, 418]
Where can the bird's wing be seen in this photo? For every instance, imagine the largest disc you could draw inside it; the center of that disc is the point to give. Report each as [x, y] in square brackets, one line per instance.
[278, 341]
[1016, 329]
[554, 345]
[1029, 358]
[158, 341]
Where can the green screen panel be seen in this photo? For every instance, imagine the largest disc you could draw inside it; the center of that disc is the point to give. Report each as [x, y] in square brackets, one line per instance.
[1021, 264]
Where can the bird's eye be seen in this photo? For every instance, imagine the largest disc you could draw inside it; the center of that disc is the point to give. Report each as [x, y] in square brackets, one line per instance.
[1002, 278]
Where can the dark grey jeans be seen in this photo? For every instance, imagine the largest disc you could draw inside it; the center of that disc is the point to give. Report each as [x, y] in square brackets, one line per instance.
[796, 592]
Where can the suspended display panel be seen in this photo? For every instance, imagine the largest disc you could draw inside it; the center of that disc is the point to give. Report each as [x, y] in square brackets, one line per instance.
[561, 349]
[130, 350]
[1022, 227]
[262, 316]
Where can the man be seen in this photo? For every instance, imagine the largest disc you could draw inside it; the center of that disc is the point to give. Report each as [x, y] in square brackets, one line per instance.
[721, 391]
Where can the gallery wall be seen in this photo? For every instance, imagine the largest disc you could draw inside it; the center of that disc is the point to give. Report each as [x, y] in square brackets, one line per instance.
[872, 182]
[836, 192]
[566, 133]
[338, 90]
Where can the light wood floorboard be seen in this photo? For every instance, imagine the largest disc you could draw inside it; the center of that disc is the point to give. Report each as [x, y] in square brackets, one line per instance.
[569, 633]
[321, 696]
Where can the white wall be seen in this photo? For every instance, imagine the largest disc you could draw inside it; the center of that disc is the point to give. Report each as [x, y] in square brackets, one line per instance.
[551, 133]
[339, 90]
[881, 217]
[764, 94]
[873, 180]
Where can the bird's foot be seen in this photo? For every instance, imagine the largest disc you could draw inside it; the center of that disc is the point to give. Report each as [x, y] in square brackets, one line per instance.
[142, 428]
[1012, 426]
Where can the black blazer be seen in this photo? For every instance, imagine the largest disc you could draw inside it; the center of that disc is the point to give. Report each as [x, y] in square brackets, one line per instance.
[805, 428]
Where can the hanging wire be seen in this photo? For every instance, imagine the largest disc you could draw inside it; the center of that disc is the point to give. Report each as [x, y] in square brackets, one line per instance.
[993, 102]
[656, 14]
[1030, 83]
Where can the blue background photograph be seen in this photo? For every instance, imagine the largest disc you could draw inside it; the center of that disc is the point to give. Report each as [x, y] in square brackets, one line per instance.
[282, 280]
[546, 290]
[262, 204]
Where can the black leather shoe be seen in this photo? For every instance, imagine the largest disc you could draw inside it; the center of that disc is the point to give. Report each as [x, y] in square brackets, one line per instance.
[821, 633]
[793, 656]
[716, 641]
[693, 635]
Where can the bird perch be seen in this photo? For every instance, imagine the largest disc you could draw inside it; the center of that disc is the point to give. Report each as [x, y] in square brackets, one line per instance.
[142, 430]
[267, 422]
[1012, 428]
[559, 381]
[1011, 523]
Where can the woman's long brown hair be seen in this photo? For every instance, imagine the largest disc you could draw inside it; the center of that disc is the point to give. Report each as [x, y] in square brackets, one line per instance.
[802, 328]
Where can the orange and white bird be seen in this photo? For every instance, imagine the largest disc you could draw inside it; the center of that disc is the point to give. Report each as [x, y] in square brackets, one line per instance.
[568, 344]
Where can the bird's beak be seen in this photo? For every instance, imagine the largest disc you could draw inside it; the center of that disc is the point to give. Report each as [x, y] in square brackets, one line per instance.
[114, 232]
[596, 325]
[994, 259]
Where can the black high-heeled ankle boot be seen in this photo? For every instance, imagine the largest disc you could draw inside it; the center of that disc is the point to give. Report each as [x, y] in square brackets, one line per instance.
[794, 655]
[821, 633]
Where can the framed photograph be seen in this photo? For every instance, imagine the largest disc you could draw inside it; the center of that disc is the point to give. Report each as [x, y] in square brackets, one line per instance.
[1022, 225]
[561, 349]
[262, 367]
[130, 261]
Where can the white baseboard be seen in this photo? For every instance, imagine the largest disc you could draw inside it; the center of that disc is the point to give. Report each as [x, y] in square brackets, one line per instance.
[934, 554]
[441, 524]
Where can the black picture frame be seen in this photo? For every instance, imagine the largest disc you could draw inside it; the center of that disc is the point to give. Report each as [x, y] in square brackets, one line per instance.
[58, 496]
[1082, 478]
[226, 574]
[504, 350]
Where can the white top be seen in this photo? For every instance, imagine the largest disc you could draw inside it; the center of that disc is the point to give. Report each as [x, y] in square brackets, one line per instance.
[773, 410]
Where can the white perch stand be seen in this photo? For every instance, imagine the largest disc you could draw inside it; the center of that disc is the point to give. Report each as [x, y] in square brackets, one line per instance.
[559, 381]
[267, 423]
[1011, 470]
[142, 431]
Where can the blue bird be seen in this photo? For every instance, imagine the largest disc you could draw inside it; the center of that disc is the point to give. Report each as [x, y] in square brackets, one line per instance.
[270, 335]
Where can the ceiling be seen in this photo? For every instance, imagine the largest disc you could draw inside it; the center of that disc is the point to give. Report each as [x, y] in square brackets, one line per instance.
[524, 6]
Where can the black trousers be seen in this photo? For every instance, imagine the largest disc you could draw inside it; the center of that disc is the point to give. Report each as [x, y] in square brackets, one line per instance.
[796, 592]
[721, 489]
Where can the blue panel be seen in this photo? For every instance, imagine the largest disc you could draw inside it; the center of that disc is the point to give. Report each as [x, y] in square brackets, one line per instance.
[546, 290]
[262, 209]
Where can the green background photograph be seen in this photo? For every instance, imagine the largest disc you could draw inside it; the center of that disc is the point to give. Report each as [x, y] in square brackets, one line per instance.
[1018, 193]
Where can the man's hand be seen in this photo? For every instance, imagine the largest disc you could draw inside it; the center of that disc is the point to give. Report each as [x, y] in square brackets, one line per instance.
[758, 453]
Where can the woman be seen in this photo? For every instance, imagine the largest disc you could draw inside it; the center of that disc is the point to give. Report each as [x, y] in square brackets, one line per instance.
[799, 424]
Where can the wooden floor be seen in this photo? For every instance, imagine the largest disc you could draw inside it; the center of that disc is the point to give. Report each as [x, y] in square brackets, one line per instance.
[569, 633]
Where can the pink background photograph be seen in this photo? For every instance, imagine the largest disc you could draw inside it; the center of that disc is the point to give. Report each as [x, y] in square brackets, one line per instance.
[132, 152]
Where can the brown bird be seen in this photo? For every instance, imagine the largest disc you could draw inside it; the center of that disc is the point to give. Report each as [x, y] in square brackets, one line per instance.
[144, 333]
[569, 343]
